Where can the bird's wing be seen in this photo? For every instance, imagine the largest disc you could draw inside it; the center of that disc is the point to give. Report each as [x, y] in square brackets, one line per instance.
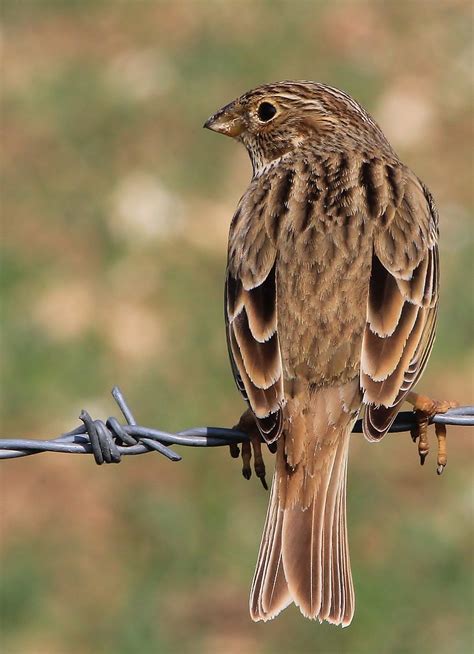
[251, 313]
[401, 308]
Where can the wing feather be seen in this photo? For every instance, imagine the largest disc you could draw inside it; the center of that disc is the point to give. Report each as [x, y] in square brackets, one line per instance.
[251, 309]
[401, 308]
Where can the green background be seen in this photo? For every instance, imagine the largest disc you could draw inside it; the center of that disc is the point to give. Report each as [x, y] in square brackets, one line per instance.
[116, 206]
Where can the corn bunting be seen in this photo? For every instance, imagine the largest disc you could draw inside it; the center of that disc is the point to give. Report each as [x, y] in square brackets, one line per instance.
[331, 302]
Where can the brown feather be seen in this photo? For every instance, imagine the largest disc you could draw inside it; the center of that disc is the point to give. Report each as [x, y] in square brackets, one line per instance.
[261, 360]
[260, 305]
[379, 419]
[263, 401]
[235, 295]
[385, 392]
[268, 602]
[385, 301]
[382, 354]
[250, 310]
[413, 266]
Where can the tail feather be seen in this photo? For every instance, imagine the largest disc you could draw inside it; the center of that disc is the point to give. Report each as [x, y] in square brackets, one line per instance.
[332, 545]
[304, 555]
[269, 594]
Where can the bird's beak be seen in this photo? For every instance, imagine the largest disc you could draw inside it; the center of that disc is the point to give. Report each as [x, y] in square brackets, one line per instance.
[227, 121]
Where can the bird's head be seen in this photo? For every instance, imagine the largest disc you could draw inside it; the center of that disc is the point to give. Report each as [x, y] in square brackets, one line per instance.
[286, 117]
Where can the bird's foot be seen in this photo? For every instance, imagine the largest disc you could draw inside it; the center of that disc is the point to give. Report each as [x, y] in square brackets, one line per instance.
[248, 426]
[425, 408]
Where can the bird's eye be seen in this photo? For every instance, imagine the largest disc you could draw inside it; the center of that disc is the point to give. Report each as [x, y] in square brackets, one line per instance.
[266, 111]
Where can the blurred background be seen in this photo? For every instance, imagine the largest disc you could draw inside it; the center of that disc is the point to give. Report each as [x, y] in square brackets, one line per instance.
[116, 207]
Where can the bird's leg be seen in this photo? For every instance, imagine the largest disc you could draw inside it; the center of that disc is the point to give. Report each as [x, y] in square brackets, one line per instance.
[425, 408]
[248, 426]
[440, 431]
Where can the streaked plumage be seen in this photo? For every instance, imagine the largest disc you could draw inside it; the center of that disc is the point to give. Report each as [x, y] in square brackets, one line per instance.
[331, 296]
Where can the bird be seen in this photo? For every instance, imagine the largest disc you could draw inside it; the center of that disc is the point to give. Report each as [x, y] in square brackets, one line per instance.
[331, 300]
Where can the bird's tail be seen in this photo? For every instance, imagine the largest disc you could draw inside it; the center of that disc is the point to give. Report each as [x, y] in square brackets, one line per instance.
[304, 553]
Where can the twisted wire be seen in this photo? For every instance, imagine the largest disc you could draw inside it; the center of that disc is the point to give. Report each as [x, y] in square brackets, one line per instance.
[110, 440]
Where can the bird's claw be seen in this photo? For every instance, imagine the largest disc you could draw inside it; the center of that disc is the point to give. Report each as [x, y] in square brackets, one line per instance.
[425, 408]
[247, 425]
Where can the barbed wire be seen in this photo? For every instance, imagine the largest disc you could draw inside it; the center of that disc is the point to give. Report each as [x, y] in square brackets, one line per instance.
[110, 440]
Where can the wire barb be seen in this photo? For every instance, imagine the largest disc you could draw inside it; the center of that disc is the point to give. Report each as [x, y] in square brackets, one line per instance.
[110, 440]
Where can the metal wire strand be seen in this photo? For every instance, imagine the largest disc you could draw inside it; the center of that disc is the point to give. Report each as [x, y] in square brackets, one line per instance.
[110, 440]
